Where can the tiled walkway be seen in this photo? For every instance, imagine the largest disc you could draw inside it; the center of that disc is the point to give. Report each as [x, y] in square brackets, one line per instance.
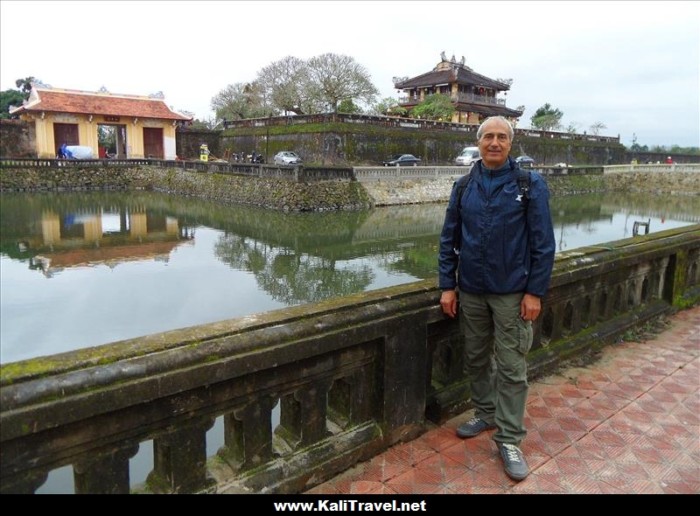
[628, 423]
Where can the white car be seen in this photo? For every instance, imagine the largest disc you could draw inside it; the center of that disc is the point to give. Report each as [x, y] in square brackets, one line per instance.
[286, 158]
[468, 156]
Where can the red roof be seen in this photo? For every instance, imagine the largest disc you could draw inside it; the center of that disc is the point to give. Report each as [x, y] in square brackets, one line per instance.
[83, 102]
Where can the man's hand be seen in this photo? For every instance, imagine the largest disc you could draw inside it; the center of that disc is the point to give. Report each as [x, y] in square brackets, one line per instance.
[530, 307]
[448, 302]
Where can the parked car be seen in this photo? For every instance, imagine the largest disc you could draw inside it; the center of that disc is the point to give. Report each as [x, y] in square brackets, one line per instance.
[468, 156]
[286, 158]
[399, 160]
[525, 161]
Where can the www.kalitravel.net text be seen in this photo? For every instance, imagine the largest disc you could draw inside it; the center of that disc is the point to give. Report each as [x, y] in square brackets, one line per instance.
[350, 506]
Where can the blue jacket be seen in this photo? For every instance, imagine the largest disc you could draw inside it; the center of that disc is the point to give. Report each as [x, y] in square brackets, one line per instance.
[507, 243]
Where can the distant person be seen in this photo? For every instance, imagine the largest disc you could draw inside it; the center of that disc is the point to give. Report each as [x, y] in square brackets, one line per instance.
[669, 160]
[495, 262]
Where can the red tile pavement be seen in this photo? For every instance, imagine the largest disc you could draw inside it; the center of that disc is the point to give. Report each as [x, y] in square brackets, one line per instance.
[629, 423]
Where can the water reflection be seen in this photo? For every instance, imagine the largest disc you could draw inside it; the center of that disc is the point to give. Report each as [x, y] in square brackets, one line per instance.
[74, 237]
[83, 269]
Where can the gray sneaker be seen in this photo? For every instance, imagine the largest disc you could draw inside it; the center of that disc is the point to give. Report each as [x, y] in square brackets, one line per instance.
[474, 427]
[513, 460]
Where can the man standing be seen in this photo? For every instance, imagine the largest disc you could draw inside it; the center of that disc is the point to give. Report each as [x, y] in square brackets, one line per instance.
[496, 253]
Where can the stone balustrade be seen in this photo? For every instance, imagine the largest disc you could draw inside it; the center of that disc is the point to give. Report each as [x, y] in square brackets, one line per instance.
[349, 378]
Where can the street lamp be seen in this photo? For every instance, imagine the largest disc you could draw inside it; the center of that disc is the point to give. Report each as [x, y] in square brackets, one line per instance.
[267, 138]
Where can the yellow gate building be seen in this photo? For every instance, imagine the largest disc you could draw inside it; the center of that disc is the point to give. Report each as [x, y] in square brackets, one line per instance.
[144, 126]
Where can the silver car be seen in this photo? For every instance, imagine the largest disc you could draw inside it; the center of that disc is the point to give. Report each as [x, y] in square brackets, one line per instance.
[286, 158]
[468, 156]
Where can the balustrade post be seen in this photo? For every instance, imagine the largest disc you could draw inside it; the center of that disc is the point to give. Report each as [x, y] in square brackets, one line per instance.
[303, 415]
[104, 472]
[180, 459]
[248, 435]
[24, 483]
[405, 359]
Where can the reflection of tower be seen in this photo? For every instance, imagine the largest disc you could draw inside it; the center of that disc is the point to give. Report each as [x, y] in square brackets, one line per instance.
[172, 227]
[50, 228]
[92, 227]
[561, 238]
[138, 224]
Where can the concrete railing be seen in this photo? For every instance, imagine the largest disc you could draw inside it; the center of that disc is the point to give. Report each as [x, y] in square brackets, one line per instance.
[418, 172]
[423, 172]
[349, 377]
[652, 167]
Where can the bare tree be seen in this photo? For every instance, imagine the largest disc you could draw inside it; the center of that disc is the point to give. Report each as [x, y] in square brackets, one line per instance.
[285, 83]
[334, 78]
[572, 128]
[297, 86]
[240, 100]
[597, 127]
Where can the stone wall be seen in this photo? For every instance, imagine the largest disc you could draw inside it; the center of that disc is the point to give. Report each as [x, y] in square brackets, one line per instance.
[17, 139]
[265, 192]
[355, 144]
[188, 142]
[320, 195]
[348, 144]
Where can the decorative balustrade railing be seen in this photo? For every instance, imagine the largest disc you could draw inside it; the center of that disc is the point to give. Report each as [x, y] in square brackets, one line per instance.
[349, 377]
[293, 173]
[655, 167]
[459, 97]
[401, 122]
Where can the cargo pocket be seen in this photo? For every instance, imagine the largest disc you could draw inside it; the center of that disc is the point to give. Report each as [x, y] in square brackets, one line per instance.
[525, 336]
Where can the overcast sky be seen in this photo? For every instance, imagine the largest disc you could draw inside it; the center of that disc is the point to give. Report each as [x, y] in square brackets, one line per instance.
[631, 65]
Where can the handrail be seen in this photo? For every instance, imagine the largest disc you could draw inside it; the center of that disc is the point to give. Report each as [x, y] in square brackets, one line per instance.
[350, 377]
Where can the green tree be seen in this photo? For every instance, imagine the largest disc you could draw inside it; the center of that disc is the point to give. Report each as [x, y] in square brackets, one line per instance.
[208, 124]
[546, 118]
[434, 107]
[25, 85]
[348, 106]
[107, 137]
[635, 147]
[387, 106]
[10, 98]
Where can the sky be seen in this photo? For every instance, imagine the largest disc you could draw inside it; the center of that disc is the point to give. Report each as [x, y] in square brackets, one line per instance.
[633, 66]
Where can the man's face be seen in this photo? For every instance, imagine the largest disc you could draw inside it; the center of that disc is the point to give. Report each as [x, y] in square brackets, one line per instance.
[495, 144]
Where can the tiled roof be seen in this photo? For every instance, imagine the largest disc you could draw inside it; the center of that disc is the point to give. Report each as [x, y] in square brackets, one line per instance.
[489, 109]
[484, 109]
[83, 102]
[459, 74]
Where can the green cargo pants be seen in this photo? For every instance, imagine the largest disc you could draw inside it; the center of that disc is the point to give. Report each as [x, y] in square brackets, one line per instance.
[496, 344]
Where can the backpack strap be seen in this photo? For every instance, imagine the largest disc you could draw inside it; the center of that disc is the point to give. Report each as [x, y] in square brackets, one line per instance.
[461, 185]
[524, 179]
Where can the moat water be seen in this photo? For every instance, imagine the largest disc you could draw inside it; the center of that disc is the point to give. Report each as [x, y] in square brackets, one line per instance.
[86, 269]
